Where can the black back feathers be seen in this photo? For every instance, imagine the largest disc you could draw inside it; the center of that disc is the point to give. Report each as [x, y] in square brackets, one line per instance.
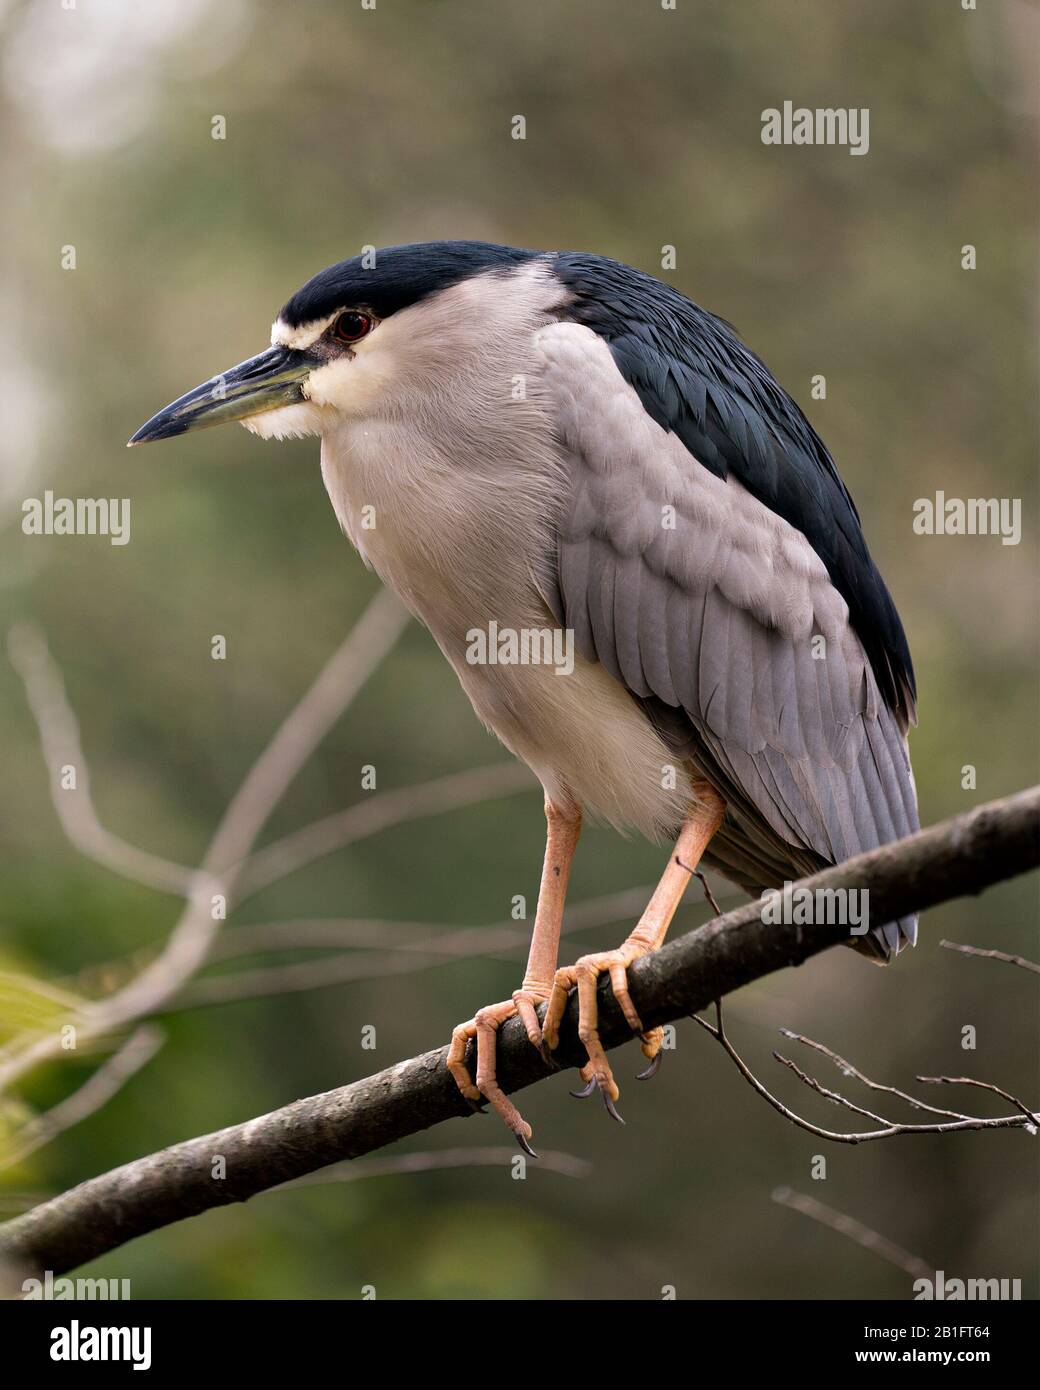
[698, 380]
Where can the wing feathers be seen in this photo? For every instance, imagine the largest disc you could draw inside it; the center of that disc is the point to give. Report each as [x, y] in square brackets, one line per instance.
[727, 614]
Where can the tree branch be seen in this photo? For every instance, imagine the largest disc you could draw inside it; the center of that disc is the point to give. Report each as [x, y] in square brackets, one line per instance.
[960, 856]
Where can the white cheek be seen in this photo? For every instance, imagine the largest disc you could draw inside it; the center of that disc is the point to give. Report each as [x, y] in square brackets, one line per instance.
[287, 422]
[351, 385]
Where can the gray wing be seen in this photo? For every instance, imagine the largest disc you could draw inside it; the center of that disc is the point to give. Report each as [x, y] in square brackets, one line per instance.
[722, 620]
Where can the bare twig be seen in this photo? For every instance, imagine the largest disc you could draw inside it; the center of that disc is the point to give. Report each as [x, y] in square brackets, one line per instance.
[834, 1096]
[992, 955]
[428, 1162]
[890, 1128]
[965, 854]
[189, 943]
[423, 937]
[1032, 1120]
[361, 934]
[707, 891]
[399, 1165]
[59, 738]
[849, 1070]
[855, 1230]
[398, 957]
[457, 789]
[320, 973]
[136, 1052]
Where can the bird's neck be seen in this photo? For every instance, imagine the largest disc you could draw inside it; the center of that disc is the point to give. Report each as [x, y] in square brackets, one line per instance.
[455, 519]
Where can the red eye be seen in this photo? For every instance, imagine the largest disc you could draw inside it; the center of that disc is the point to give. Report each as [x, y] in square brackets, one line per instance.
[351, 326]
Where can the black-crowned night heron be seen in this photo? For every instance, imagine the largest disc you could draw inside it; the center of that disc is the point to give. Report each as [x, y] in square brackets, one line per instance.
[554, 444]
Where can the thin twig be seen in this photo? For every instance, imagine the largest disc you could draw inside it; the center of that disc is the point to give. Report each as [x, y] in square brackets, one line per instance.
[849, 1070]
[890, 1129]
[992, 955]
[698, 873]
[449, 793]
[109, 1078]
[60, 741]
[360, 934]
[492, 1157]
[297, 976]
[983, 1086]
[855, 1230]
[188, 945]
[830, 1095]
[399, 957]
[379, 933]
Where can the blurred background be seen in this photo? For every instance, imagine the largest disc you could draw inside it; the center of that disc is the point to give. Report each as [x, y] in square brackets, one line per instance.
[345, 127]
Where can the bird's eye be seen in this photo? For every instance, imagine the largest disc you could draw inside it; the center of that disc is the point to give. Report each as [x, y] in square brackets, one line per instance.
[351, 326]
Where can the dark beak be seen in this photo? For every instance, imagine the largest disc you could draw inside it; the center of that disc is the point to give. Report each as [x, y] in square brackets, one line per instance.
[271, 379]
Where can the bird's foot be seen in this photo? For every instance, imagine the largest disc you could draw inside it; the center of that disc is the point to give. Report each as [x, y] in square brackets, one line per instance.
[583, 975]
[484, 1027]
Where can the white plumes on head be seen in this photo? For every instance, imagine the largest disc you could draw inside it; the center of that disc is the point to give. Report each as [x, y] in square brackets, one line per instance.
[302, 336]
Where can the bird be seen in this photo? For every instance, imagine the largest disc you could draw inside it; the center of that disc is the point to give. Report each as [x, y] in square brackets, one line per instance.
[639, 558]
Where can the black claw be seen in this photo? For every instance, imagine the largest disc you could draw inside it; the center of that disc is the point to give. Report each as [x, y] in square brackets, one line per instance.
[584, 1095]
[652, 1069]
[521, 1139]
[611, 1111]
[479, 1107]
[547, 1057]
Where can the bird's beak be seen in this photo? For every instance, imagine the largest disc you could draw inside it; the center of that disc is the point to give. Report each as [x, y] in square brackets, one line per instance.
[271, 379]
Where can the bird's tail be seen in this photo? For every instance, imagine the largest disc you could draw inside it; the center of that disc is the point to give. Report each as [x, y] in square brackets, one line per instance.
[883, 944]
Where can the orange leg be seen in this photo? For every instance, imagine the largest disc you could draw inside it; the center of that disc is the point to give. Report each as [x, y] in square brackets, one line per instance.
[648, 935]
[563, 826]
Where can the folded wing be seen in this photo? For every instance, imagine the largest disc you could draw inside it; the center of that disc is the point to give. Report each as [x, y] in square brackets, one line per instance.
[721, 618]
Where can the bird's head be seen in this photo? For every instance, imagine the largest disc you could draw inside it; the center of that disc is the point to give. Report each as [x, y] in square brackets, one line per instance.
[359, 335]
